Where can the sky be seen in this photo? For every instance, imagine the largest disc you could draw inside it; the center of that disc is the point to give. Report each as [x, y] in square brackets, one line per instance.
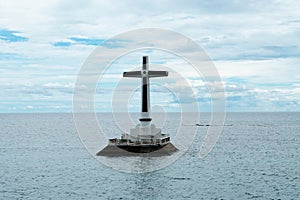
[255, 46]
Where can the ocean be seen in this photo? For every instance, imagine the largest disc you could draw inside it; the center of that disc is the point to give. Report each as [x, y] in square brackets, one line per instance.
[256, 157]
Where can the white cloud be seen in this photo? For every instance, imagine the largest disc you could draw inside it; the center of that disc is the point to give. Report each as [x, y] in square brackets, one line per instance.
[261, 71]
[28, 107]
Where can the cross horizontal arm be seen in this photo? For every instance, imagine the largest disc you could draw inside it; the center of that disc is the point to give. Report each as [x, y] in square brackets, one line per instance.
[153, 74]
[134, 74]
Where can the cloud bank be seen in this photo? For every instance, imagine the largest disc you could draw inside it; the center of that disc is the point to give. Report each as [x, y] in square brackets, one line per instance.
[254, 44]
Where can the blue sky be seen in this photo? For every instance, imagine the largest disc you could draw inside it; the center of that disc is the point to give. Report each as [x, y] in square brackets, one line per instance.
[255, 46]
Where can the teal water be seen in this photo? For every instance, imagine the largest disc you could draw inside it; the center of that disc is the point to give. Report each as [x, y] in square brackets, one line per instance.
[256, 157]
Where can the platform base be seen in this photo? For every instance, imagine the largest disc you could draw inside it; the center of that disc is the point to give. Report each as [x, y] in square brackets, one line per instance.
[112, 150]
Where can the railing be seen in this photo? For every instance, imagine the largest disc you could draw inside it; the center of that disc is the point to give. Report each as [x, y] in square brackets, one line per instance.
[130, 142]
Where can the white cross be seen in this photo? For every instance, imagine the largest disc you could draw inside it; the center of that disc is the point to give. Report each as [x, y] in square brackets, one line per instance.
[145, 74]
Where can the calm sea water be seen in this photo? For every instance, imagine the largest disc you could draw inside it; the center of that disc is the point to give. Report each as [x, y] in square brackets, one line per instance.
[256, 157]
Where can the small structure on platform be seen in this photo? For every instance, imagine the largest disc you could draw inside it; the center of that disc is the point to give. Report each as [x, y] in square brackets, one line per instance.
[145, 138]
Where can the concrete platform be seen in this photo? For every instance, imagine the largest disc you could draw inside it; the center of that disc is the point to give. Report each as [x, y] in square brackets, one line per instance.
[114, 151]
